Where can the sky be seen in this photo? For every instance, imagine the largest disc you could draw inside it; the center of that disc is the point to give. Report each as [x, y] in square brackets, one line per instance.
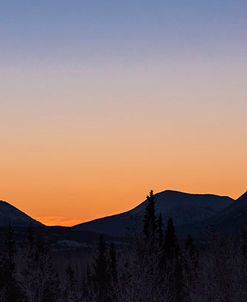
[101, 101]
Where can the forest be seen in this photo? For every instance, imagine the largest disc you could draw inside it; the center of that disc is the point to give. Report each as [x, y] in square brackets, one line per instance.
[148, 266]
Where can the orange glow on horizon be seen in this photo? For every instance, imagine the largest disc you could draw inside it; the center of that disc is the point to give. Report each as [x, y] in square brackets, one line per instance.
[73, 152]
[57, 220]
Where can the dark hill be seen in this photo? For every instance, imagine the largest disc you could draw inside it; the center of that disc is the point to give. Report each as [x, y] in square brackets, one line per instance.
[185, 208]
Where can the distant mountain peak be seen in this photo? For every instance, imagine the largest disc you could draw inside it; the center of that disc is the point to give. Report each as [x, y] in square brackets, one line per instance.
[188, 194]
[172, 192]
[10, 215]
[184, 208]
[243, 197]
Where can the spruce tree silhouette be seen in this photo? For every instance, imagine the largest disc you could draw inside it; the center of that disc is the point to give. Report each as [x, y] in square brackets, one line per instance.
[113, 263]
[170, 244]
[88, 286]
[191, 249]
[179, 287]
[150, 222]
[70, 277]
[189, 245]
[10, 286]
[244, 244]
[191, 265]
[171, 264]
[101, 277]
[70, 293]
[160, 230]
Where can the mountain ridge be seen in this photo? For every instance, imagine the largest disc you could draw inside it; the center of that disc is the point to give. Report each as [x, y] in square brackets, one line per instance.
[190, 212]
[183, 207]
[11, 215]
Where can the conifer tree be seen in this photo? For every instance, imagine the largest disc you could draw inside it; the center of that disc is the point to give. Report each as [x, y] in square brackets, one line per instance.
[189, 245]
[113, 263]
[10, 286]
[71, 291]
[70, 277]
[150, 222]
[192, 251]
[100, 276]
[171, 263]
[87, 284]
[179, 286]
[160, 230]
[191, 265]
[244, 244]
[170, 243]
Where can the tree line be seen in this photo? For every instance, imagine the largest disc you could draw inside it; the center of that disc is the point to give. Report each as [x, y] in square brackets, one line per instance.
[148, 266]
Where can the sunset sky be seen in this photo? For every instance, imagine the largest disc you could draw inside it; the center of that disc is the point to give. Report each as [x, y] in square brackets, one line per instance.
[103, 100]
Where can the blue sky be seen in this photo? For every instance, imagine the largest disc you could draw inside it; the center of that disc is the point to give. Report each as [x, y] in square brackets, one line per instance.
[104, 100]
[121, 30]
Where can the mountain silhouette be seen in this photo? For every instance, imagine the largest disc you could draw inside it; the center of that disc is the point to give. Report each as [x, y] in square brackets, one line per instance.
[10, 215]
[242, 199]
[233, 219]
[184, 208]
[191, 213]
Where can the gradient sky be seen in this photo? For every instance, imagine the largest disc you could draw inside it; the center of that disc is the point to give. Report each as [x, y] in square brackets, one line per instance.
[102, 100]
